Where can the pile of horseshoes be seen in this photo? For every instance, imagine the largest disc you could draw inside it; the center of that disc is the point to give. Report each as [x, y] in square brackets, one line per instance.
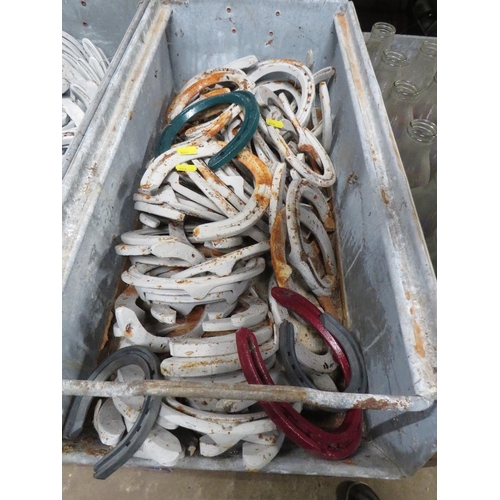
[232, 272]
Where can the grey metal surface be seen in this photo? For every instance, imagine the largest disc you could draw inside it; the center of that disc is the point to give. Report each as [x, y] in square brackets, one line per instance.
[97, 198]
[109, 25]
[388, 282]
[282, 393]
[369, 461]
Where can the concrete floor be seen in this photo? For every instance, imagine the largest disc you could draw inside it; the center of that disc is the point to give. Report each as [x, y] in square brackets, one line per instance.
[142, 484]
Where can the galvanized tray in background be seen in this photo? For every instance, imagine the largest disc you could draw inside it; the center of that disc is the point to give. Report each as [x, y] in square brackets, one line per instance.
[388, 283]
[109, 25]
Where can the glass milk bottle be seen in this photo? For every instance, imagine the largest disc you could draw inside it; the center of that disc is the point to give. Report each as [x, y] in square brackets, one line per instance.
[389, 70]
[414, 149]
[380, 39]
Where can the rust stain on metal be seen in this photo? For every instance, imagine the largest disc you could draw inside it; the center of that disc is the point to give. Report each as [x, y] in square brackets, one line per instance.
[277, 245]
[384, 196]
[352, 178]
[331, 306]
[130, 113]
[419, 339]
[374, 404]
[217, 334]
[188, 322]
[407, 295]
[313, 155]
[215, 92]
[207, 79]
[257, 167]
[349, 462]
[270, 41]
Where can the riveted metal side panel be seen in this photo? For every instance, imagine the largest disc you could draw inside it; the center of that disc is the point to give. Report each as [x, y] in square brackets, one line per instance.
[390, 287]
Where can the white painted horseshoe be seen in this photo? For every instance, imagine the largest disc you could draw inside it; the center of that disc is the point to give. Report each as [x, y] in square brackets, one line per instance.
[215, 346]
[277, 191]
[128, 298]
[206, 79]
[198, 287]
[231, 405]
[210, 365]
[225, 243]
[212, 445]
[278, 87]
[223, 266]
[92, 51]
[191, 325]
[242, 63]
[310, 59]
[212, 423]
[161, 446]
[265, 153]
[72, 44]
[149, 220]
[323, 75]
[300, 72]
[321, 180]
[184, 303]
[158, 261]
[255, 312]
[254, 209]
[151, 236]
[108, 422]
[307, 142]
[170, 247]
[159, 169]
[73, 110]
[257, 456]
[236, 377]
[163, 210]
[229, 176]
[167, 196]
[129, 326]
[229, 204]
[326, 112]
[174, 179]
[295, 213]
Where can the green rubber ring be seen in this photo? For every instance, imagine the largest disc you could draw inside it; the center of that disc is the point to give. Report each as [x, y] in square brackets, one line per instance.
[243, 98]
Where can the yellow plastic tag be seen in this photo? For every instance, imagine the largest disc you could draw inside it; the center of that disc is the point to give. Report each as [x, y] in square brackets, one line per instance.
[187, 150]
[274, 123]
[185, 167]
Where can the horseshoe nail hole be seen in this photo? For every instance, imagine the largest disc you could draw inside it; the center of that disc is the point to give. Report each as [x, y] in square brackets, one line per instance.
[85, 24]
[278, 12]
[271, 33]
[233, 30]
[83, 3]
[228, 9]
